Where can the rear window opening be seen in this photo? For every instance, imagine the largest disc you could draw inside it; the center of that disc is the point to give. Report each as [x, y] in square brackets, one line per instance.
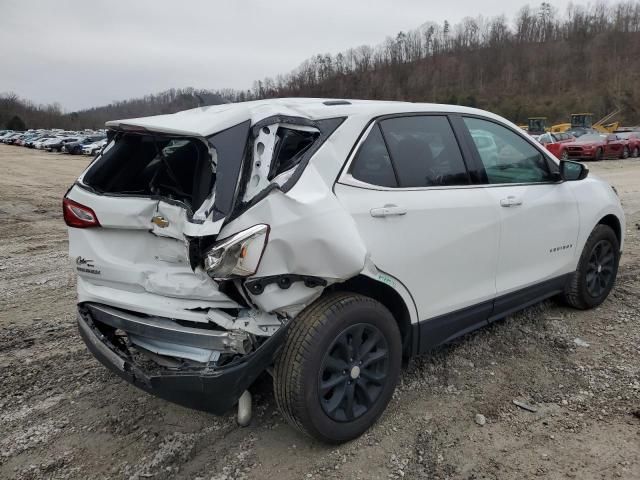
[177, 168]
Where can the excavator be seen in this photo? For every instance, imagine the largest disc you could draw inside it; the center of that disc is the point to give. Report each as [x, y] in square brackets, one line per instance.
[585, 121]
[535, 125]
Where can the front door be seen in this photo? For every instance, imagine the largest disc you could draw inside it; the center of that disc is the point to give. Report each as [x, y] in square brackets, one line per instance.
[613, 147]
[539, 214]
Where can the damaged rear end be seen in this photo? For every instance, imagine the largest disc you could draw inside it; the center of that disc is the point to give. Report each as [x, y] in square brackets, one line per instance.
[195, 249]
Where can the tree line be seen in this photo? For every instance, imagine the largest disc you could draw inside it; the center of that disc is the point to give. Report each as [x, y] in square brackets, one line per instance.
[541, 63]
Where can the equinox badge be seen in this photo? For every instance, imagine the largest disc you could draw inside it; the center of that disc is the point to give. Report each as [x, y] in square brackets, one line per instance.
[160, 221]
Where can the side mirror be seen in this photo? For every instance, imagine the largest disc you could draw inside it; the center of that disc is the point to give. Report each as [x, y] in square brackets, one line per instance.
[571, 171]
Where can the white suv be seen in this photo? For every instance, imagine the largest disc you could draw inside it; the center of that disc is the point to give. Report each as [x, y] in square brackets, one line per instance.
[322, 242]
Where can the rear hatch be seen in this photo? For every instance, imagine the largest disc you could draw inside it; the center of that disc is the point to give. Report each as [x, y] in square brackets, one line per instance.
[138, 207]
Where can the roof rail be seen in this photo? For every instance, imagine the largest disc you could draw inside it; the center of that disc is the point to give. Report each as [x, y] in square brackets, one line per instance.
[330, 103]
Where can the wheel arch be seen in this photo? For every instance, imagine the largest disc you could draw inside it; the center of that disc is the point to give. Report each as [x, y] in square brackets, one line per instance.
[396, 299]
[613, 222]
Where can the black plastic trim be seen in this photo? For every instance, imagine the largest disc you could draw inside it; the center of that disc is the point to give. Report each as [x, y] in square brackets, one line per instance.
[444, 328]
[231, 146]
[512, 302]
[256, 286]
[475, 168]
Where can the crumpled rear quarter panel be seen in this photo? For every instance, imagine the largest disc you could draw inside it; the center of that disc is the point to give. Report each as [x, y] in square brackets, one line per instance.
[311, 233]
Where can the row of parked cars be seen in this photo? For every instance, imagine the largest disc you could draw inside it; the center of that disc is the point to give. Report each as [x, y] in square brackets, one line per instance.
[592, 145]
[88, 142]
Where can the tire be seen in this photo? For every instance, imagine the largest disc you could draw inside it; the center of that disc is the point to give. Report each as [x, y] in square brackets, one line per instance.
[599, 155]
[564, 155]
[635, 152]
[625, 153]
[316, 350]
[579, 292]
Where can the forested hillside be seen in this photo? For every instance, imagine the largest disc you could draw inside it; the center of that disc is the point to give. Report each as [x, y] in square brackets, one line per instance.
[539, 63]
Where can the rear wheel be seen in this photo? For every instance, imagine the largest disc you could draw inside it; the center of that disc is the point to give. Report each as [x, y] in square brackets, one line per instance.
[597, 269]
[635, 152]
[625, 153]
[339, 367]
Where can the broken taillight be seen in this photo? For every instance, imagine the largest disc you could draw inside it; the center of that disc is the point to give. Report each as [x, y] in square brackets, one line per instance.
[77, 215]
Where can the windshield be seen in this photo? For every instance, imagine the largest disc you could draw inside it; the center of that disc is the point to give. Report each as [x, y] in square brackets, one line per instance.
[590, 138]
[626, 135]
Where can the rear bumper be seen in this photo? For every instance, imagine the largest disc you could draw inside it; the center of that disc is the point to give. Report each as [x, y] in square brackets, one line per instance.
[207, 388]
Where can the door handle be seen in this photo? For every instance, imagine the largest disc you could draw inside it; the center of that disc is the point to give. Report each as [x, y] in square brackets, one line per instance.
[388, 211]
[511, 201]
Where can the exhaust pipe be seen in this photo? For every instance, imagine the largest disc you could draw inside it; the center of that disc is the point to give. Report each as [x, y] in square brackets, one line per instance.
[244, 409]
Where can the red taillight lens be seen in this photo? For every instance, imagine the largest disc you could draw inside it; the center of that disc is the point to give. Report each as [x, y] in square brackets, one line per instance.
[78, 216]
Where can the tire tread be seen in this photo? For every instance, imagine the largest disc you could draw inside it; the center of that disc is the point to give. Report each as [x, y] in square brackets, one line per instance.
[572, 294]
[297, 348]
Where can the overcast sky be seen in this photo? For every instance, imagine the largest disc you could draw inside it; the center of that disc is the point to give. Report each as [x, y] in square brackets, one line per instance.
[84, 53]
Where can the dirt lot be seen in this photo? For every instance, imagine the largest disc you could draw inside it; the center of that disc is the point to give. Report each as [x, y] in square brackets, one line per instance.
[63, 415]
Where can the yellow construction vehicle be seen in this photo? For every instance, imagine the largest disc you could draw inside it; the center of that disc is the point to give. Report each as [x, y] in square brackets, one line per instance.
[603, 127]
[585, 121]
[537, 125]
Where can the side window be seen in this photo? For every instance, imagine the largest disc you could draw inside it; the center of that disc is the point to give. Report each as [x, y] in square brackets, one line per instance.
[510, 159]
[372, 163]
[289, 148]
[424, 151]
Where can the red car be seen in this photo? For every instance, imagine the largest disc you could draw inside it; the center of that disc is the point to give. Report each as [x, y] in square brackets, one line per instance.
[556, 143]
[597, 147]
[634, 142]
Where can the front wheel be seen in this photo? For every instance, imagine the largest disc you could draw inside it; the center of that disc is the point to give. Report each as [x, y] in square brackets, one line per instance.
[564, 155]
[592, 282]
[635, 152]
[339, 367]
[599, 154]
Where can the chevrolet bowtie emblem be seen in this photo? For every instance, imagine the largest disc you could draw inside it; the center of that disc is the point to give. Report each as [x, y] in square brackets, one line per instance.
[160, 221]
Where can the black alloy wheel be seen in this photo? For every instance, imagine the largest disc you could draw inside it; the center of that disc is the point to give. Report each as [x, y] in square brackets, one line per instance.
[353, 372]
[338, 367]
[600, 269]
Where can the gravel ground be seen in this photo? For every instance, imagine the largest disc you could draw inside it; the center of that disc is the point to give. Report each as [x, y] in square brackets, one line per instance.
[63, 415]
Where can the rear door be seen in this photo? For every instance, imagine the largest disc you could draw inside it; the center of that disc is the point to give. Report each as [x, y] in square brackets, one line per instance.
[423, 222]
[539, 214]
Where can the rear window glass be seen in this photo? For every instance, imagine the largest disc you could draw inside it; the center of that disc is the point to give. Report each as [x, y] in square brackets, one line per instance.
[424, 151]
[174, 168]
[372, 164]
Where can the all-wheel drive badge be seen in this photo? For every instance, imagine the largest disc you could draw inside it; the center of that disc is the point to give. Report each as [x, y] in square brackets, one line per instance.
[160, 221]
